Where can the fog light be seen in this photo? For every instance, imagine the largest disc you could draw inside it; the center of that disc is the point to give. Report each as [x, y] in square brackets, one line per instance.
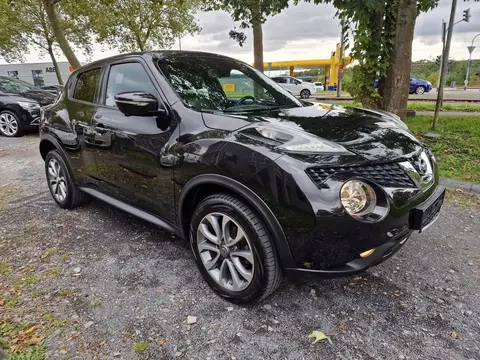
[358, 198]
[367, 253]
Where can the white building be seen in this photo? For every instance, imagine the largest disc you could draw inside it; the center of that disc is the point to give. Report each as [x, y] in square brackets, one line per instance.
[38, 74]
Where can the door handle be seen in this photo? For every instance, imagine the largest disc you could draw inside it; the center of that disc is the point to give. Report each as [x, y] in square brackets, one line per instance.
[100, 129]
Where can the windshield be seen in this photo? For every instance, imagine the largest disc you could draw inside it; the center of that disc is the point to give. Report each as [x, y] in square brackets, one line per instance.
[226, 85]
[15, 86]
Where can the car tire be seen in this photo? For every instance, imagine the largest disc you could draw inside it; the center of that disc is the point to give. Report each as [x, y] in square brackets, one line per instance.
[61, 184]
[241, 269]
[420, 90]
[305, 94]
[10, 124]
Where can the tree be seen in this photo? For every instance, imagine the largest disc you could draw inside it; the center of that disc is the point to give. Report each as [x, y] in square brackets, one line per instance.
[134, 25]
[383, 35]
[251, 13]
[51, 8]
[27, 25]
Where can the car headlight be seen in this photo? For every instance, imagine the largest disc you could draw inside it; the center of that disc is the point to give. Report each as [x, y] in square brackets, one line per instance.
[358, 198]
[29, 106]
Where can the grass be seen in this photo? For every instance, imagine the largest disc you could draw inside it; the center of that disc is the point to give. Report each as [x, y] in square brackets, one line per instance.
[49, 252]
[66, 292]
[140, 347]
[458, 148]
[463, 200]
[26, 343]
[4, 268]
[32, 280]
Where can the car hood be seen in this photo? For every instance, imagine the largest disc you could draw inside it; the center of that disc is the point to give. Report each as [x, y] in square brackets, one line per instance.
[42, 97]
[373, 135]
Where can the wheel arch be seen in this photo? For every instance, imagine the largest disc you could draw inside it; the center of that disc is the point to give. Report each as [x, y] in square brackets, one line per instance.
[49, 143]
[202, 186]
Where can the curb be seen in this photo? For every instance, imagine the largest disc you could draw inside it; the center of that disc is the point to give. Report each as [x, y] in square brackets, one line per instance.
[468, 187]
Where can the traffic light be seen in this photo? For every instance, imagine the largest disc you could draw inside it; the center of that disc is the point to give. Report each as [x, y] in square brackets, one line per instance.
[438, 61]
[466, 15]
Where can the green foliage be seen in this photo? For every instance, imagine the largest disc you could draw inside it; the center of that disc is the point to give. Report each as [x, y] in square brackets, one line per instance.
[27, 27]
[373, 28]
[132, 25]
[428, 70]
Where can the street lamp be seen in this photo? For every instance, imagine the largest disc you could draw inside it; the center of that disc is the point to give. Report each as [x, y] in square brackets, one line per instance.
[470, 50]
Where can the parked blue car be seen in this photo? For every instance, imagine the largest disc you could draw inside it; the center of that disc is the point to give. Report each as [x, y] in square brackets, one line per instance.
[417, 86]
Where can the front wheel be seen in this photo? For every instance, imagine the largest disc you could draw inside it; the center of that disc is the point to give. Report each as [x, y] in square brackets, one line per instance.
[420, 90]
[305, 94]
[234, 250]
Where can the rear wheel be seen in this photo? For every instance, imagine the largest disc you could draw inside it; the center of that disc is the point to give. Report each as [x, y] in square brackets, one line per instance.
[233, 249]
[10, 124]
[61, 185]
[305, 94]
[420, 90]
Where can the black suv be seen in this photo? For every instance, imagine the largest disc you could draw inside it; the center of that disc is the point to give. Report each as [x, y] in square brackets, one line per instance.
[20, 105]
[260, 183]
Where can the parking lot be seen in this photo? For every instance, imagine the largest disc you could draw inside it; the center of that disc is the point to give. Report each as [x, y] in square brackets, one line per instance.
[100, 284]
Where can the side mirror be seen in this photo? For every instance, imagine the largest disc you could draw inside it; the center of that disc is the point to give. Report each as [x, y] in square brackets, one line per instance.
[139, 103]
[297, 82]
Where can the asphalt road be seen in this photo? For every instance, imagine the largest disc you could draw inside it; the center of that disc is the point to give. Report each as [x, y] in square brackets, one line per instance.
[105, 281]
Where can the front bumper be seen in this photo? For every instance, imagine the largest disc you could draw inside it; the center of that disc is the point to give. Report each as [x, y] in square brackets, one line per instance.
[356, 266]
[420, 218]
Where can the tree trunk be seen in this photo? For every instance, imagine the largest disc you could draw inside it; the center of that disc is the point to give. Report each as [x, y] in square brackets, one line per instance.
[397, 83]
[55, 65]
[59, 35]
[258, 45]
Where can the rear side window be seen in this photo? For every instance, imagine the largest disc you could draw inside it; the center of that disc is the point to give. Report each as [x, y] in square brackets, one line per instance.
[87, 84]
[280, 80]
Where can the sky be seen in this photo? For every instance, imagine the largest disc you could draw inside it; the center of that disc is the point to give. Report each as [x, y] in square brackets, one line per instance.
[309, 31]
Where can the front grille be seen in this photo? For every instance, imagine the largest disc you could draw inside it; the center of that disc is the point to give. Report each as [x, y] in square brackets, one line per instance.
[388, 175]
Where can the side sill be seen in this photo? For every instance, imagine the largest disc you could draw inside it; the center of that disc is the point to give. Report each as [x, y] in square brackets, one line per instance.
[133, 210]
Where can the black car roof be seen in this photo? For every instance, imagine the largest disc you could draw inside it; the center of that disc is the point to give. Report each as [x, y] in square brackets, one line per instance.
[156, 54]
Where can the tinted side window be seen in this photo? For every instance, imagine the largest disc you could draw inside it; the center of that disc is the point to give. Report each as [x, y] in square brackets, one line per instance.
[281, 80]
[87, 85]
[127, 77]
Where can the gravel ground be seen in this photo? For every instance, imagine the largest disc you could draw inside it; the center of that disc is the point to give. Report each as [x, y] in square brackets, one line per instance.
[99, 284]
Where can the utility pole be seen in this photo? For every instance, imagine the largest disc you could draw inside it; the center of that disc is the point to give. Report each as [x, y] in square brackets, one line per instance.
[179, 43]
[470, 50]
[444, 33]
[446, 54]
[340, 68]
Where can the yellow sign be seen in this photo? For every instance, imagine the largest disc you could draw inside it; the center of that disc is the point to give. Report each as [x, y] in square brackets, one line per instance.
[229, 87]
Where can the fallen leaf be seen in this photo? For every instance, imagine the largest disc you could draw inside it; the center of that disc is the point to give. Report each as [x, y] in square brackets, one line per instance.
[2, 302]
[29, 331]
[318, 336]
[341, 326]
[162, 341]
[33, 340]
[454, 335]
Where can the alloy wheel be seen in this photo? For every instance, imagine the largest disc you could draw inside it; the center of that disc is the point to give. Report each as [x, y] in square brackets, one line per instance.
[304, 94]
[57, 180]
[225, 251]
[8, 124]
[420, 90]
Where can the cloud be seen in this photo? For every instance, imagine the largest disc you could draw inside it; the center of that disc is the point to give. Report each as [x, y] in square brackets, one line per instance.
[309, 31]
